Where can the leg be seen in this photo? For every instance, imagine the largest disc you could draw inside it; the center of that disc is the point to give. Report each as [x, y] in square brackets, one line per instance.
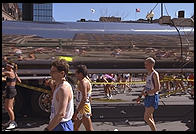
[77, 124]
[148, 117]
[182, 85]
[109, 90]
[105, 89]
[9, 108]
[177, 85]
[87, 123]
[123, 88]
[168, 85]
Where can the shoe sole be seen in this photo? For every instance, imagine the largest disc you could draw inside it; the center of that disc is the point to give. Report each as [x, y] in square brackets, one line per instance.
[11, 128]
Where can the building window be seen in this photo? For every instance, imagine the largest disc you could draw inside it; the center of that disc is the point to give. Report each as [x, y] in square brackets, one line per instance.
[41, 12]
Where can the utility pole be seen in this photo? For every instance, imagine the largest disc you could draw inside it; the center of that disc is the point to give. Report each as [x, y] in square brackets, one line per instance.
[161, 9]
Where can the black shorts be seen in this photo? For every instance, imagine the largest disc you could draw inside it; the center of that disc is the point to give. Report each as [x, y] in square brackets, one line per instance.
[10, 92]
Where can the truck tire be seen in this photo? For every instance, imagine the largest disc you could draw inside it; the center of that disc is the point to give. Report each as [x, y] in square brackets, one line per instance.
[41, 104]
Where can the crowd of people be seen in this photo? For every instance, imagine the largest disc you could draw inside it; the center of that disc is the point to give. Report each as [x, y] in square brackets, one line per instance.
[171, 82]
[64, 117]
[124, 83]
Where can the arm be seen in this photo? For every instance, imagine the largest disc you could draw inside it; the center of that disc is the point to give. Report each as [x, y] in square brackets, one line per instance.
[105, 80]
[5, 72]
[18, 79]
[143, 93]
[156, 84]
[63, 97]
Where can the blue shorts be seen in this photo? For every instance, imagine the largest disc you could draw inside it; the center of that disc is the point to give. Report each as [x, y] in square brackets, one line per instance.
[152, 101]
[64, 126]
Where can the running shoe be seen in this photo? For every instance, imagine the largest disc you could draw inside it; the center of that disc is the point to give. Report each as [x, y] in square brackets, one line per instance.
[110, 97]
[12, 125]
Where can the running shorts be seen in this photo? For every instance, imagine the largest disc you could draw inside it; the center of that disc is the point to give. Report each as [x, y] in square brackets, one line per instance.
[10, 92]
[86, 111]
[151, 101]
[64, 126]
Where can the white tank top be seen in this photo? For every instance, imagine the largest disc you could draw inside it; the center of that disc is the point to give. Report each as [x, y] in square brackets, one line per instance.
[70, 107]
[149, 83]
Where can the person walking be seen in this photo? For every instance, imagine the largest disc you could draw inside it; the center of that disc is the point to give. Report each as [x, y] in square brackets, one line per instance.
[108, 87]
[11, 78]
[83, 100]
[62, 107]
[150, 92]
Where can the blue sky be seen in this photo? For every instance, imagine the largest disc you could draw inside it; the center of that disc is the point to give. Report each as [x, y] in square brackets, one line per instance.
[127, 11]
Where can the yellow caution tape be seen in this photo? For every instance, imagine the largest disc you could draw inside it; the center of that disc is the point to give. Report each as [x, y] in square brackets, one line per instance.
[172, 79]
[172, 92]
[34, 88]
[137, 82]
[112, 83]
[141, 82]
[68, 59]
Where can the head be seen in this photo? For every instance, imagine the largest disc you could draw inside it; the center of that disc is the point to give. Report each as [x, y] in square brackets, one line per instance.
[11, 66]
[149, 63]
[81, 71]
[59, 69]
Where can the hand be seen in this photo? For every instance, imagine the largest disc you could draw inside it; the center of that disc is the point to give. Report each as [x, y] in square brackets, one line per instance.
[138, 100]
[74, 117]
[144, 93]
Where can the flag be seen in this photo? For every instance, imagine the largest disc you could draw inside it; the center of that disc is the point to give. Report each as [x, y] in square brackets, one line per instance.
[137, 10]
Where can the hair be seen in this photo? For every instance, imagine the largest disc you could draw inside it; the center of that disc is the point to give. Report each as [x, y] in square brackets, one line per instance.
[151, 60]
[14, 65]
[61, 65]
[82, 69]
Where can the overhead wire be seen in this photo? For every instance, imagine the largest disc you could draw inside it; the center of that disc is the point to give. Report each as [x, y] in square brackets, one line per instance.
[180, 37]
[154, 7]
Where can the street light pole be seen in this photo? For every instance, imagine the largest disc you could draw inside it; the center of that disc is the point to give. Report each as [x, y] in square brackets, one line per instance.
[161, 9]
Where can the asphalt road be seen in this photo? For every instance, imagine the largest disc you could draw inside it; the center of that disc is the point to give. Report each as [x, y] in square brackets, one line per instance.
[175, 113]
[166, 124]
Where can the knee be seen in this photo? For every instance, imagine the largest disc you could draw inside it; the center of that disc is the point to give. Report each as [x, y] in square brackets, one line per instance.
[146, 118]
[9, 108]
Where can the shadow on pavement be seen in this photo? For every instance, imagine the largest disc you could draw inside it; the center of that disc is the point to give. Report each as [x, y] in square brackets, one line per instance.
[31, 122]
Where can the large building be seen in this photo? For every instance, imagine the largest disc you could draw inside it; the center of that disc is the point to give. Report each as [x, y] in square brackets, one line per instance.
[36, 12]
[10, 11]
[110, 19]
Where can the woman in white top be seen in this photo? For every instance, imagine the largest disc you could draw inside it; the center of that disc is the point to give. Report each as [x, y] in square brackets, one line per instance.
[62, 108]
